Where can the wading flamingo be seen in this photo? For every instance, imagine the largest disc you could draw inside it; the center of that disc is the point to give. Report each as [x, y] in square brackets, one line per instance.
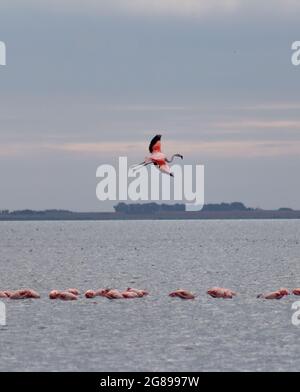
[90, 294]
[73, 291]
[140, 293]
[114, 294]
[157, 158]
[65, 296]
[8, 293]
[184, 294]
[102, 292]
[129, 294]
[278, 294]
[284, 291]
[26, 293]
[54, 294]
[3, 294]
[219, 292]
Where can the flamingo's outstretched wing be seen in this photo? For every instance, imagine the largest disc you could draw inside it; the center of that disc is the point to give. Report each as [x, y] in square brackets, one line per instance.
[155, 145]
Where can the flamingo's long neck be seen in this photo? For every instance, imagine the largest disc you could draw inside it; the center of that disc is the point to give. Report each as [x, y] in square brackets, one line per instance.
[172, 158]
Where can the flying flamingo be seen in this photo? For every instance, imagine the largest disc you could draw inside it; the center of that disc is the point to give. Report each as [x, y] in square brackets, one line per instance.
[157, 158]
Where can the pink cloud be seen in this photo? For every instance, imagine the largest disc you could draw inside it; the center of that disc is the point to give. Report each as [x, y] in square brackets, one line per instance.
[201, 149]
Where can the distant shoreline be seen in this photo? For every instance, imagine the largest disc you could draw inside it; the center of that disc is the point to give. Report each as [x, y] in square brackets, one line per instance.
[172, 215]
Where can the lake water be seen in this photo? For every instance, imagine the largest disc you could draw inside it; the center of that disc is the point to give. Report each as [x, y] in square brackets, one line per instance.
[155, 333]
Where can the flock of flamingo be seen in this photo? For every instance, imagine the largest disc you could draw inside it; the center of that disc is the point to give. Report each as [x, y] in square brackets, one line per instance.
[73, 294]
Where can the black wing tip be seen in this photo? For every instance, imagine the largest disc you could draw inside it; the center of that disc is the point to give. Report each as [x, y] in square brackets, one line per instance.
[156, 137]
[153, 141]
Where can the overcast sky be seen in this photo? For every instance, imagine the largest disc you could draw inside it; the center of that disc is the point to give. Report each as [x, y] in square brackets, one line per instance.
[88, 81]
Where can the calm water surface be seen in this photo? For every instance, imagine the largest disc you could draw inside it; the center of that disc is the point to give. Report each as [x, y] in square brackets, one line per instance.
[157, 332]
